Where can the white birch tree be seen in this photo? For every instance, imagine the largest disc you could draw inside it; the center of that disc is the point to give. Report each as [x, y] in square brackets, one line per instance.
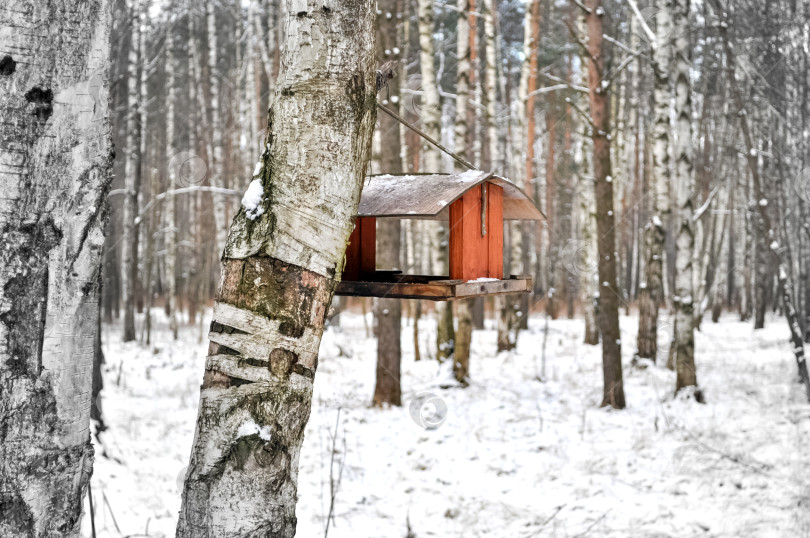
[55, 169]
[683, 184]
[651, 293]
[282, 261]
[132, 170]
[431, 123]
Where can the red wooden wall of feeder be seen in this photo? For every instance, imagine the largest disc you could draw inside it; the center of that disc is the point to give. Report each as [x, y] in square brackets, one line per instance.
[474, 204]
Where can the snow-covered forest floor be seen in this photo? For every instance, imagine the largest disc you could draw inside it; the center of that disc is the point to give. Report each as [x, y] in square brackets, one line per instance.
[517, 456]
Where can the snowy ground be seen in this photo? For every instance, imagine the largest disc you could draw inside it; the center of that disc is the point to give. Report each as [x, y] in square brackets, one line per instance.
[515, 457]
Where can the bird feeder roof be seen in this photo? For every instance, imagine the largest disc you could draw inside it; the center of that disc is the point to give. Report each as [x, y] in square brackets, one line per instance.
[428, 196]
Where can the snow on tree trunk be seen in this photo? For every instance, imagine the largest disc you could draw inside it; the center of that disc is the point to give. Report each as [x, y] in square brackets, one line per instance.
[651, 293]
[683, 183]
[608, 314]
[280, 267]
[56, 150]
[388, 312]
[129, 242]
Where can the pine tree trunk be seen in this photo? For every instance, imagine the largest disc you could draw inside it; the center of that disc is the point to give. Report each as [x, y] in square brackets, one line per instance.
[132, 167]
[651, 293]
[56, 150]
[684, 186]
[279, 271]
[608, 314]
[388, 312]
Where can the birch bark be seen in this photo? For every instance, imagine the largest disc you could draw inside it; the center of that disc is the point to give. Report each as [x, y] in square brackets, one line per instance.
[464, 308]
[55, 169]
[132, 168]
[282, 260]
[684, 186]
[217, 163]
[170, 227]
[431, 123]
[651, 293]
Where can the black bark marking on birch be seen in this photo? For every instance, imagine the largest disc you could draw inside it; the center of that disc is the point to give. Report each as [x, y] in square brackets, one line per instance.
[100, 207]
[16, 513]
[26, 316]
[42, 101]
[7, 66]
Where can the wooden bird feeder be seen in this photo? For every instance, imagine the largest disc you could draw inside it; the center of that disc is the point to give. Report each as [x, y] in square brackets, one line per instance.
[474, 203]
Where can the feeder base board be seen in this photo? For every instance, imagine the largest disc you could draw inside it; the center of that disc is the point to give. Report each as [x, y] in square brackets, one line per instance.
[394, 285]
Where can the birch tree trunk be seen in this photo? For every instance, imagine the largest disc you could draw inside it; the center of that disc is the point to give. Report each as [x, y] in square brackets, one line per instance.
[132, 169]
[431, 123]
[56, 155]
[388, 312]
[684, 186]
[651, 293]
[217, 162]
[464, 307]
[505, 305]
[608, 314]
[583, 256]
[170, 227]
[281, 264]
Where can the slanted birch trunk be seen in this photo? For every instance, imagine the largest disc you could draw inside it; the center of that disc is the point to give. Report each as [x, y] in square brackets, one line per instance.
[56, 155]
[608, 314]
[683, 183]
[651, 293]
[282, 261]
